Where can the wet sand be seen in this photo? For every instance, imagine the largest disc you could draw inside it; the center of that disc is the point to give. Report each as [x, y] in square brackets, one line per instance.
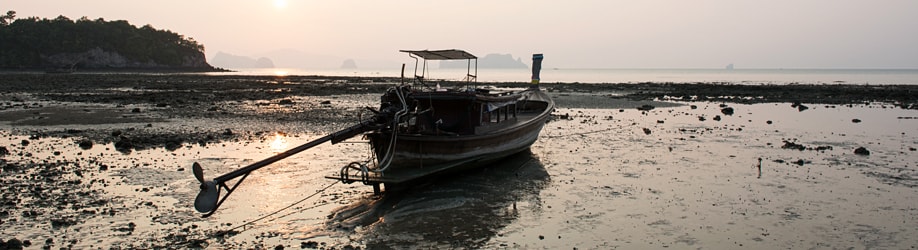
[104, 161]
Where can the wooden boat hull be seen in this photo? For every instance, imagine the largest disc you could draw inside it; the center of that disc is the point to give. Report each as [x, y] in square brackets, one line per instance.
[416, 156]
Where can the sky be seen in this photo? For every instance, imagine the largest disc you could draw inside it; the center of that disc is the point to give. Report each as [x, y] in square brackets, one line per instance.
[632, 34]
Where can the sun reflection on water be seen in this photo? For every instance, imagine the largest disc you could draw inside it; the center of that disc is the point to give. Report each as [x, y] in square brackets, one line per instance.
[279, 144]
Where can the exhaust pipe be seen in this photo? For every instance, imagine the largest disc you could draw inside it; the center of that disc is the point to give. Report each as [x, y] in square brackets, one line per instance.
[536, 67]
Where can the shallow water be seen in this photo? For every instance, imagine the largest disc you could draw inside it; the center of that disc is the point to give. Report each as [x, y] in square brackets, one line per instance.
[595, 179]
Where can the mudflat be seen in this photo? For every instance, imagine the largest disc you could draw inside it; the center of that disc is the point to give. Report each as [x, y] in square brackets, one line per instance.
[103, 160]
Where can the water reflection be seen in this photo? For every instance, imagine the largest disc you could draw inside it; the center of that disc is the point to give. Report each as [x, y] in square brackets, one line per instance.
[279, 144]
[457, 211]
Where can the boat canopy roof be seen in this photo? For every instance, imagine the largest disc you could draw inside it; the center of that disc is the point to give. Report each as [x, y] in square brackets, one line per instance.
[447, 54]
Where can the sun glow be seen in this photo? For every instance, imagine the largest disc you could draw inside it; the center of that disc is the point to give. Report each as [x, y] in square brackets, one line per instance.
[279, 143]
[280, 4]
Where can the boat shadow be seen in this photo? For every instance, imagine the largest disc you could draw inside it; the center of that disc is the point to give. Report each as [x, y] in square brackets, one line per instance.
[460, 210]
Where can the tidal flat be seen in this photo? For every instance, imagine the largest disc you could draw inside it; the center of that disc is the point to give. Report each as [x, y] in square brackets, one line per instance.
[104, 161]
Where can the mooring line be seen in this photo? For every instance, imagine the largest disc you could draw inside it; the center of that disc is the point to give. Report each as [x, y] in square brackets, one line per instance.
[278, 211]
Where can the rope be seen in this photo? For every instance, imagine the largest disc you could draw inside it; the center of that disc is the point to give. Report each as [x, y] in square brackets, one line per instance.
[278, 211]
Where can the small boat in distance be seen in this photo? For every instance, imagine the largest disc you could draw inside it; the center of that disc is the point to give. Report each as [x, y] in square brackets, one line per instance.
[423, 128]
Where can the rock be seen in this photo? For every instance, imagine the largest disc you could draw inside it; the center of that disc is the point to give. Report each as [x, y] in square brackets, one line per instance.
[801, 108]
[85, 144]
[24, 142]
[14, 244]
[4, 151]
[855, 120]
[279, 247]
[285, 102]
[646, 107]
[309, 244]
[173, 143]
[646, 131]
[727, 111]
[792, 145]
[124, 145]
[768, 122]
[701, 118]
[861, 151]
[135, 110]
[717, 117]
[326, 102]
[227, 132]
[694, 106]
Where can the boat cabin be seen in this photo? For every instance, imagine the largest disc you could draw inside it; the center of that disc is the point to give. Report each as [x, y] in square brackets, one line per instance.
[465, 110]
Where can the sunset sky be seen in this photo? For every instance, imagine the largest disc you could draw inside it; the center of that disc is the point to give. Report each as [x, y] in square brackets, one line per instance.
[572, 34]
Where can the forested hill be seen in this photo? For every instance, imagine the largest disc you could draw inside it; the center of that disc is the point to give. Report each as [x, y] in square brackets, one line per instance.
[84, 44]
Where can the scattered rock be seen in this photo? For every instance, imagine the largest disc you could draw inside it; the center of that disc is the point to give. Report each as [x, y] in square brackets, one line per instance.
[309, 244]
[861, 151]
[14, 244]
[792, 145]
[124, 145]
[800, 107]
[646, 107]
[85, 144]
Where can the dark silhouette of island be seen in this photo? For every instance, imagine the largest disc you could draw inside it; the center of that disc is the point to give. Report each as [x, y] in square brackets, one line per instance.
[349, 64]
[490, 61]
[230, 61]
[64, 44]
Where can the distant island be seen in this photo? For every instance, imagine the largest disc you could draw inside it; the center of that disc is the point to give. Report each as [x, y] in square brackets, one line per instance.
[230, 61]
[62, 44]
[490, 61]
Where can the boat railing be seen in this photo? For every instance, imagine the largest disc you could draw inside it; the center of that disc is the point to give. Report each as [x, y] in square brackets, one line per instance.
[420, 78]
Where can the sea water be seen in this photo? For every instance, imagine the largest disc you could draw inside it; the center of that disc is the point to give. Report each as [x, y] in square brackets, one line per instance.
[566, 75]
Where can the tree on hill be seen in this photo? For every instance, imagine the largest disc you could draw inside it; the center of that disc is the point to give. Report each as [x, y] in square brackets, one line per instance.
[33, 43]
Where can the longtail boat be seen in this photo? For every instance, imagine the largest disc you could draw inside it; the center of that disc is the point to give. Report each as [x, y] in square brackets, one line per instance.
[422, 129]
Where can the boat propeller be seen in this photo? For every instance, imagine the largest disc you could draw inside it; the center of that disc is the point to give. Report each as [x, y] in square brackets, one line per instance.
[206, 201]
